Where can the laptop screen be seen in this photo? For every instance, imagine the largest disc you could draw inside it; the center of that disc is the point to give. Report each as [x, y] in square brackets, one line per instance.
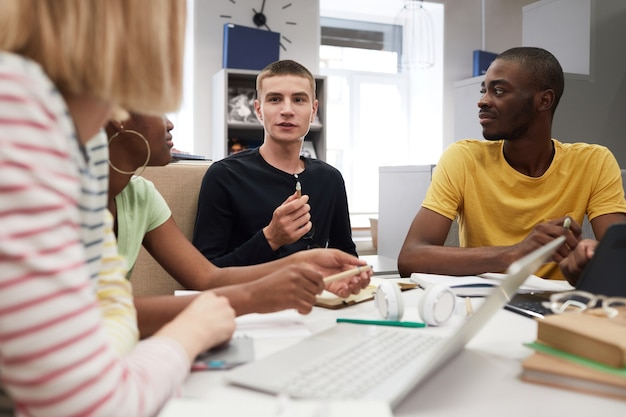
[604, 275]
[606, 272]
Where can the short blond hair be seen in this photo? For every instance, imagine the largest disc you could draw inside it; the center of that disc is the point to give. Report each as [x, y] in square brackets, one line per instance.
[126, 52]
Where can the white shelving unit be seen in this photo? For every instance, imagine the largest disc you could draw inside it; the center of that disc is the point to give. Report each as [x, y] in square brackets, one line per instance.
[228, 83]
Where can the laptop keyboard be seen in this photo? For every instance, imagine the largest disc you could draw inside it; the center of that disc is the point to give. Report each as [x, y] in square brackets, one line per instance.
[529, 305]
[535, 306]
[355, 369]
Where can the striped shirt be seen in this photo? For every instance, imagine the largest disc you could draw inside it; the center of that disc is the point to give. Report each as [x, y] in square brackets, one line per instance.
[55, 356]
[105, 264]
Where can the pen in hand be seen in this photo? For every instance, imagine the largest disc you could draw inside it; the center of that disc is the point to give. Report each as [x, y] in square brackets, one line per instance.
[567, 223]
[298, 189]
[346, 274]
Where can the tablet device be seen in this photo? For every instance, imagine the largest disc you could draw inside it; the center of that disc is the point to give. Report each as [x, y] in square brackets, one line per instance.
[237, 351]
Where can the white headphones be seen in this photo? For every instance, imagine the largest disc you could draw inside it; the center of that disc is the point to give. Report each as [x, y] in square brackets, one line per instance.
[388, 300]
[435, 307]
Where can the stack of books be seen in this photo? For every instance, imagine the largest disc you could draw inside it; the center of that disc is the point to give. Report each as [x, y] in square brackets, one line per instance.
[584, 352]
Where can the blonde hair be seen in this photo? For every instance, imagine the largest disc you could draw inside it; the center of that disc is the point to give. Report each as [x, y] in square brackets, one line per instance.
[128, 53]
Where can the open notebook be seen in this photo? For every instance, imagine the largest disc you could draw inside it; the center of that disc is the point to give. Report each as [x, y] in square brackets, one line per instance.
[330, 300]
[381, 363]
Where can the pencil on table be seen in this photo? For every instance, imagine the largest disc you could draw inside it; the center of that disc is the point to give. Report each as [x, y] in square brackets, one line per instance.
[298, 189]
[346, 274]
[468, 307]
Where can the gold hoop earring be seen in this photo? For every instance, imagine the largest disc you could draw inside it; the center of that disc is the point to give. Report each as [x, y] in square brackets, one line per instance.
[145, 164]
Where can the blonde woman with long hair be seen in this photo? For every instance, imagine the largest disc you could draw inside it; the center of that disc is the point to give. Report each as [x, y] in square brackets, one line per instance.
[64, 66]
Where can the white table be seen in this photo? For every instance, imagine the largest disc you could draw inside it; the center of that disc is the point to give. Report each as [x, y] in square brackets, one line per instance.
[482, 380]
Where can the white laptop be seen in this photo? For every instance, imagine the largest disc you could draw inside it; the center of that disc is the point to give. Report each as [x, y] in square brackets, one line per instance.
[380, 363]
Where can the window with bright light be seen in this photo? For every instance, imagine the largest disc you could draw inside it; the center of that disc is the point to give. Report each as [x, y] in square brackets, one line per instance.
[183, 119]
[366, 124]
[376, 114]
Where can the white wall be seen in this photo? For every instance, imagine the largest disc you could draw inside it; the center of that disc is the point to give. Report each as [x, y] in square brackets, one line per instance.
[463, 35]
[570, 40]
[595, 111]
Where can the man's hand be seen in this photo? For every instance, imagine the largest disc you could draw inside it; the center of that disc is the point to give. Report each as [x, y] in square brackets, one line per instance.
[545, 232]
[290, 221]
[573, 265]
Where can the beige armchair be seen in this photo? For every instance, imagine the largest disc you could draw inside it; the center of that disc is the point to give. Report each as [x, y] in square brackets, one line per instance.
[179, 183]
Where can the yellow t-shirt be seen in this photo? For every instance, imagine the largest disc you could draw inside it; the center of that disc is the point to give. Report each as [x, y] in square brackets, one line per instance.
[498, 206]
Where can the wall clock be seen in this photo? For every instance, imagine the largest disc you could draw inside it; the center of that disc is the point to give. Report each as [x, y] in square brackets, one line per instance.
[273, 15]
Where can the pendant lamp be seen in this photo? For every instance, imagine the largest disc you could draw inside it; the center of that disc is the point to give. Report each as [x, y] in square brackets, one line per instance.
[418, 39]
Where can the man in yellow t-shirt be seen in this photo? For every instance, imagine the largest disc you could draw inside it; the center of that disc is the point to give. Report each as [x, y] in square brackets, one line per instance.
[513, 192]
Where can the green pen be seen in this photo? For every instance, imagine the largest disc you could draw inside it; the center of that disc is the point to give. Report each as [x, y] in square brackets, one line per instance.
[413, 324]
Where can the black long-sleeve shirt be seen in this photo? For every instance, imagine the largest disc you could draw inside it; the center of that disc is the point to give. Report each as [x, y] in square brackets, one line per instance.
[239, 195]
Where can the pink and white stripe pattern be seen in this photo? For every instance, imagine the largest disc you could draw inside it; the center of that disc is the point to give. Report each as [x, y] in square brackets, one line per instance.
[54, 355]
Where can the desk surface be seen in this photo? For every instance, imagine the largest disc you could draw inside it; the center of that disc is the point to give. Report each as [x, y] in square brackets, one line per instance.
[482, 379]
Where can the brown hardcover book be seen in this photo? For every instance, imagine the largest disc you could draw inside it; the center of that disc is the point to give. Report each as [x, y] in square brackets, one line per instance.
[588, 335]
[552, 371]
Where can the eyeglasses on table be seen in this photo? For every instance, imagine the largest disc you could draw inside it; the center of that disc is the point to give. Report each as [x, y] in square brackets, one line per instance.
[583, 301]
